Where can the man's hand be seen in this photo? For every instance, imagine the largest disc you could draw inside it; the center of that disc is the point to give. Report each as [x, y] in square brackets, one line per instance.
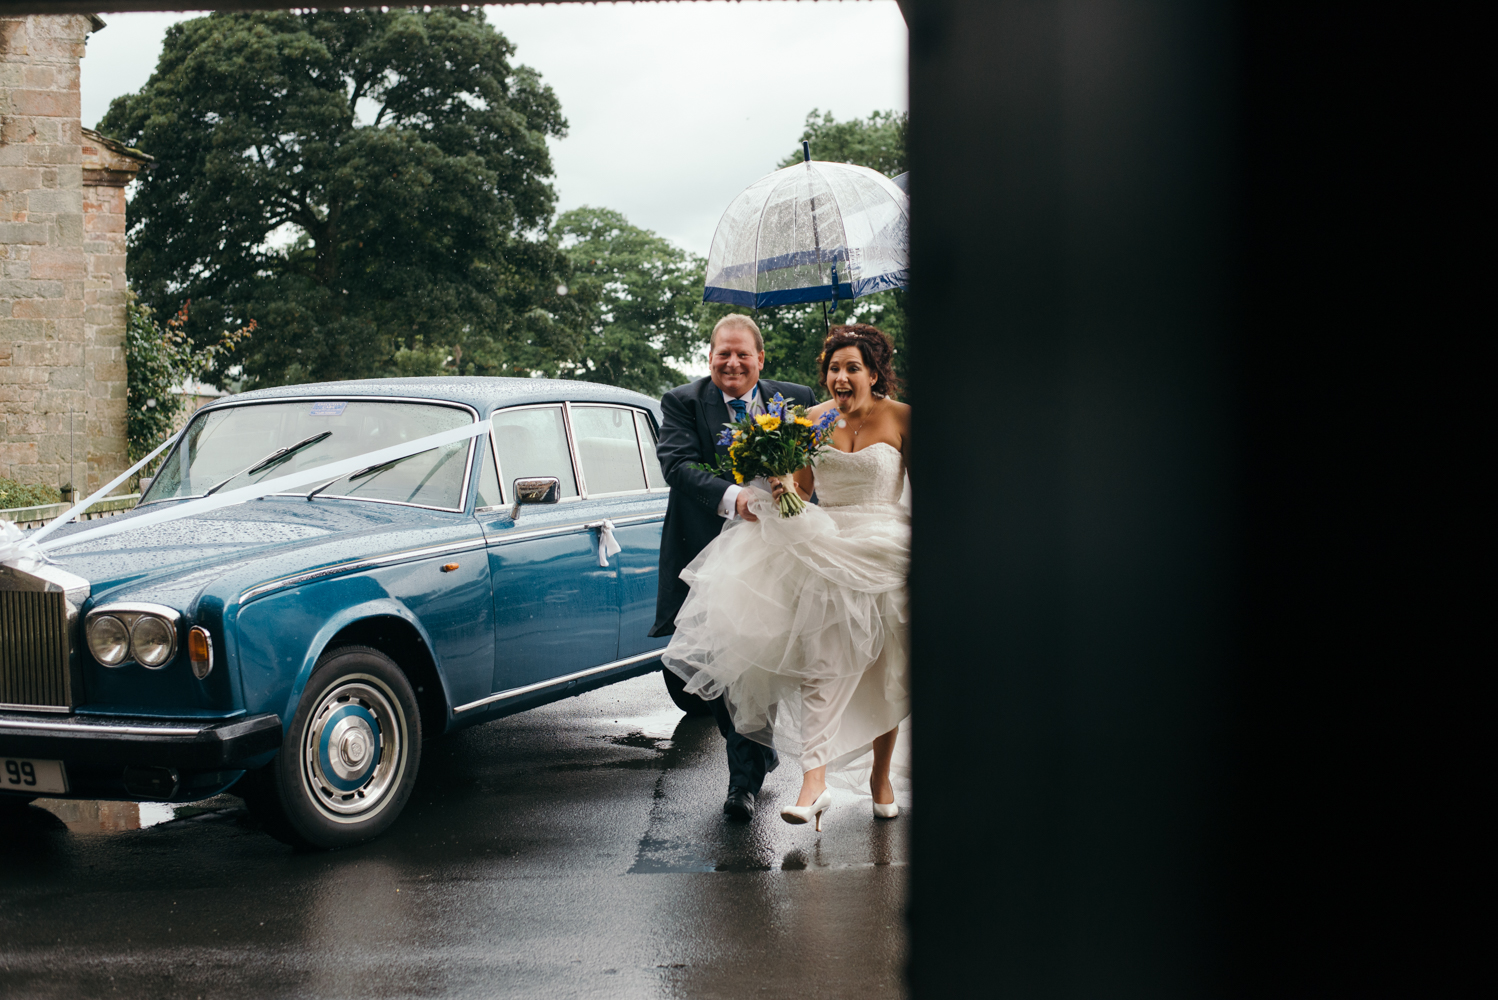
[741, 506]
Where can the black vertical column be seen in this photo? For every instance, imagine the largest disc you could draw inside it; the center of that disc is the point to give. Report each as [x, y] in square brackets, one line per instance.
[1196, 576]
[1073, 196]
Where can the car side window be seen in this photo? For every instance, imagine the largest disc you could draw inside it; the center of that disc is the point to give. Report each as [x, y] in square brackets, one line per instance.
[607, 449]
[532, 442]
[490, 495]
[653, 473]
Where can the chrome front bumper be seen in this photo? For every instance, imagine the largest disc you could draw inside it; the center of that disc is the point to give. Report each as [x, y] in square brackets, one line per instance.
[122, 742]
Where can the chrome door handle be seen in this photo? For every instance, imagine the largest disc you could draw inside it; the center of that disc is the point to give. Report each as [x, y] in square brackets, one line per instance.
[607, 543]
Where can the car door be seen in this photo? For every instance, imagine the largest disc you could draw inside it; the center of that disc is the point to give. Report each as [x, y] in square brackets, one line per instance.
[616, 452]
[556, 610]
[640, 555]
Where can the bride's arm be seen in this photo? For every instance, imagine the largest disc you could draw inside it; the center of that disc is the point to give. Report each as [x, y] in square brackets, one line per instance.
[802, 481]
[805, 482]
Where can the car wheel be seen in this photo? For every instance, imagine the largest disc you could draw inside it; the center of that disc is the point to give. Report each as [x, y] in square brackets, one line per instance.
[688, 703]
[348, 760]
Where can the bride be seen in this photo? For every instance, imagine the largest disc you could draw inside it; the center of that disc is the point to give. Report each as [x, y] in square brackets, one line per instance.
[800, 623]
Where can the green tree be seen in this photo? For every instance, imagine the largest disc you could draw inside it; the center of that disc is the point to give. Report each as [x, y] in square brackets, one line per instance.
[638, 298]
[794, 334]
[371, 187]
[158, 360]
[876, 142]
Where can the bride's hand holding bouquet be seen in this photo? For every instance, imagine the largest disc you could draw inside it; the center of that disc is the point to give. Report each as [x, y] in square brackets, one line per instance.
[774, 445]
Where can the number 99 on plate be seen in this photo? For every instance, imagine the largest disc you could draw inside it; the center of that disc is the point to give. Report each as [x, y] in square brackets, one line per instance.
[39, 777]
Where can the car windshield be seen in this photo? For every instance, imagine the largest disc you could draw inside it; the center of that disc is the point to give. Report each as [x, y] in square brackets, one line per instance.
[243, 445]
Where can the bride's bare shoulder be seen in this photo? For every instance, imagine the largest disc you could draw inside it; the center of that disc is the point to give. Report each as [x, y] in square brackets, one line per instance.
[821, 408]
[900, 414]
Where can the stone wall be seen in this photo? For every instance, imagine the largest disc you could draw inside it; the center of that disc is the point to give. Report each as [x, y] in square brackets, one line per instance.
[61, 265]
[108, 167]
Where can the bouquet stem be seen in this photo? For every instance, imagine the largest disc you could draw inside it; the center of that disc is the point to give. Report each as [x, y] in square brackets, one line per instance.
[791, 504]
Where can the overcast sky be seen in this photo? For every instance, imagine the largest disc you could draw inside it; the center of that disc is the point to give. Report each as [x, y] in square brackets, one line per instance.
[674, 108]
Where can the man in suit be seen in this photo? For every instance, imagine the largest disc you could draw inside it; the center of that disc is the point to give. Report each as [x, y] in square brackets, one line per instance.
[694, 415]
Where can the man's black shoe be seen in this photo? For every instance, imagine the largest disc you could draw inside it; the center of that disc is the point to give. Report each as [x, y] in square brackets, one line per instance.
[739, 805]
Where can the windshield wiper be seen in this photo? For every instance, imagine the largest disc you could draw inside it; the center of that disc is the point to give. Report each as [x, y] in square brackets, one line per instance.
[274, 458]
[373, 470]
[318, 489]
[383, 466]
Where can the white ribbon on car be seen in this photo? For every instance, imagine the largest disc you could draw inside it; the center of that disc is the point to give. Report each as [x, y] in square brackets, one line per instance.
[13, 544]
[78, 508]
[607, 544]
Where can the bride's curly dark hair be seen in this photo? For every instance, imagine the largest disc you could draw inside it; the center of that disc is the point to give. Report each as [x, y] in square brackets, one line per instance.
[877, 350]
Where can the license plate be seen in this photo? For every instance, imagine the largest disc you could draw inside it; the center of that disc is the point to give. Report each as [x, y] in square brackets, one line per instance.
[18, 774]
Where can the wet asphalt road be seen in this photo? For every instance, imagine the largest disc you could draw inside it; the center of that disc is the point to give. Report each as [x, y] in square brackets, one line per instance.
[576, 850]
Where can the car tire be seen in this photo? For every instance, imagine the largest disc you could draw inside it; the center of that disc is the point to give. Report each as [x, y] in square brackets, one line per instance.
[688, 703]
[348, 761]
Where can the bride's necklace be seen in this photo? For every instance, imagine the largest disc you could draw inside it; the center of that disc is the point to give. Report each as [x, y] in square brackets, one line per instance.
[843, 422]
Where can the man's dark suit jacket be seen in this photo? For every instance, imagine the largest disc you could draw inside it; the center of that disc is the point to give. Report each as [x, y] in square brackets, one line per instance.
[694, 417]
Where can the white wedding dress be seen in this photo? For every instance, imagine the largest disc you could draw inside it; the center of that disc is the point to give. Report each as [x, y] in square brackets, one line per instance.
[801, 624]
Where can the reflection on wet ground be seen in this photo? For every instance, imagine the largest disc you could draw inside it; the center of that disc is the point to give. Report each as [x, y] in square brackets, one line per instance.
[83, 816]
[573, 851]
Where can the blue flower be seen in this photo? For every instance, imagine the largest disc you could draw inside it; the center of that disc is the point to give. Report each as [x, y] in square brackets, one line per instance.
[726, 438]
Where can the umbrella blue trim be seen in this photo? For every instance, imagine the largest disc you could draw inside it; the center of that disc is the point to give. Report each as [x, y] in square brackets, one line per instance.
[811, 294]
[729, 296]
[779, 297]
[796, 296]
[880, 283]
[801, 258]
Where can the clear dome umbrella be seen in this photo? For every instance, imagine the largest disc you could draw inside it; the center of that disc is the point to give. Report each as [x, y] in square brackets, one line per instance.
[813, 232]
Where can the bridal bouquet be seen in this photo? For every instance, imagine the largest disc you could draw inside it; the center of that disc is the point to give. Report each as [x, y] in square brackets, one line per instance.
[774, 443]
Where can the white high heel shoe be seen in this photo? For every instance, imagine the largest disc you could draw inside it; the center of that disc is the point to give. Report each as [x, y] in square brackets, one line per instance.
[805, 814]
[885, 810]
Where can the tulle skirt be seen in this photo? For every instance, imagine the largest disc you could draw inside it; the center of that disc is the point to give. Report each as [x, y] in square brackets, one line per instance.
[801, 625]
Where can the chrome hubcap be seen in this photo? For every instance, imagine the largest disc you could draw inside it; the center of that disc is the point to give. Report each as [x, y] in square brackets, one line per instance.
[354, 748]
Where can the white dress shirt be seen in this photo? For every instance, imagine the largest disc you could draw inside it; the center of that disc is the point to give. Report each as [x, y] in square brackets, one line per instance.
[728, 506]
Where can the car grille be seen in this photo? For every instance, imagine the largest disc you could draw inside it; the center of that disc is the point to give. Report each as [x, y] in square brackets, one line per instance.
[34, 650]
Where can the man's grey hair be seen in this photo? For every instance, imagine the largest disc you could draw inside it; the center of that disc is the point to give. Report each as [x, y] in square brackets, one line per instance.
[743, 323]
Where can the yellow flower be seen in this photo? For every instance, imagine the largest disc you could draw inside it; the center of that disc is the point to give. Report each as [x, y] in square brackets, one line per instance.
[767, 422]
[804, 421]
[738, 477]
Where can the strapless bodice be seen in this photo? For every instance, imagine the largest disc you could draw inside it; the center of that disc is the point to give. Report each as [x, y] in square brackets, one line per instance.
[875, 474]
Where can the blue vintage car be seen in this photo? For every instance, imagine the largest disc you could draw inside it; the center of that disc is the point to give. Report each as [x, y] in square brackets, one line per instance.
[299, 647]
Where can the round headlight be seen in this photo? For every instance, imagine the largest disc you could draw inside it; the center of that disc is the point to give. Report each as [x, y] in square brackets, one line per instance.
[108, 640]
[152, 641]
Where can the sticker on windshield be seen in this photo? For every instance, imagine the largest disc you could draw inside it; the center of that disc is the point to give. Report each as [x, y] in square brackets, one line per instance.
[329, 408]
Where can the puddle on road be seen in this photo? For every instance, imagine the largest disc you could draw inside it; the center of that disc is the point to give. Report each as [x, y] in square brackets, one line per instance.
[660, 724]
[640, 741]
[662, 748]
[90, 816]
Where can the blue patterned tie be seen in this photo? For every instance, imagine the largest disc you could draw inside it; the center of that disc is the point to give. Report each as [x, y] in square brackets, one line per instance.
[739, 408]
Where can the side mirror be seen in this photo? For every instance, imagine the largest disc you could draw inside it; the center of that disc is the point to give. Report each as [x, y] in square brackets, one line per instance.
[543, 489]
